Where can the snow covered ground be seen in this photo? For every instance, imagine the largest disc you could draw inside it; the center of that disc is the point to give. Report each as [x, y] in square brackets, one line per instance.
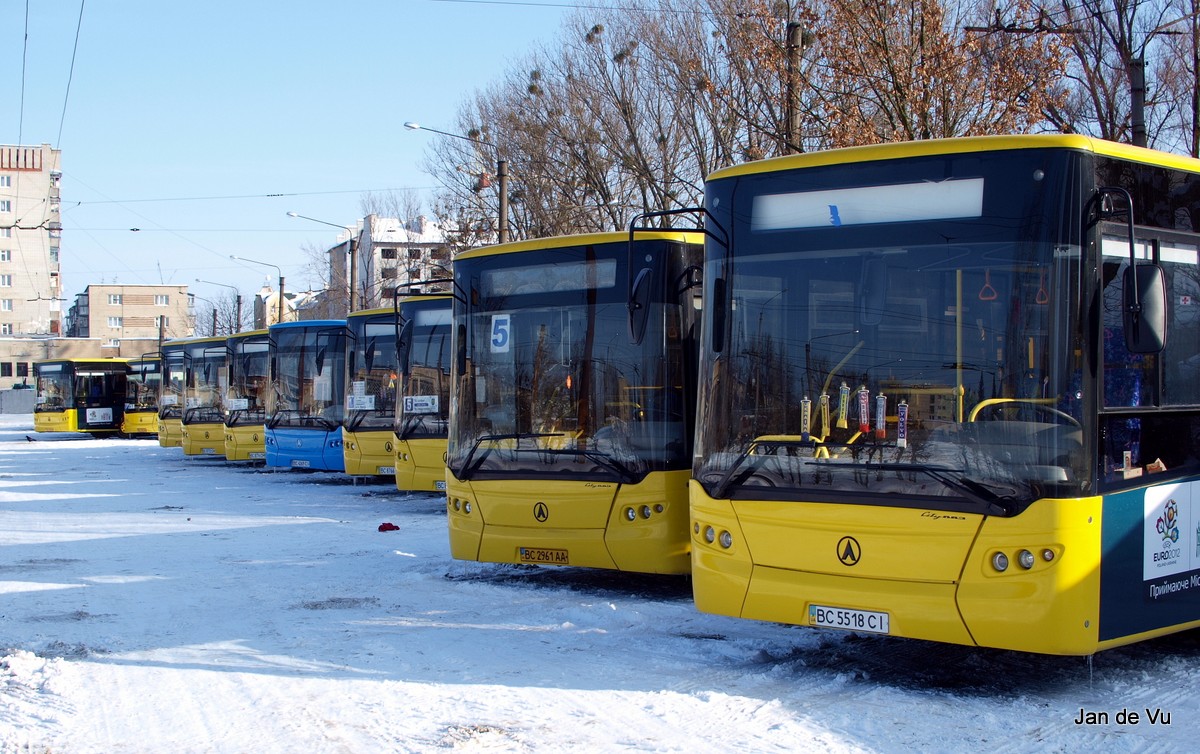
[155, 603]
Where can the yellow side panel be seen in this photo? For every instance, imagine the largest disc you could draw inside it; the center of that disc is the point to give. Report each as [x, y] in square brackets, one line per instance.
[590, 520]
[421, 465]
[170, 433]
[203, 439]
[364, 453]
[56, 421]
[245, 443]
[140, 423]
[1054, 606]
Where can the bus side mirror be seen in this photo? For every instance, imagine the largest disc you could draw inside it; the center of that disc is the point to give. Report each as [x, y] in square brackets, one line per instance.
[1144, 304]
[719, 306]
[460, 350]
[639, 305]
[404, 347]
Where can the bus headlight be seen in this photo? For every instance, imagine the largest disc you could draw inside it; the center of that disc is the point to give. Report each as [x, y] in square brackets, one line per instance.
[630, 514]
[710, 534]
[467, 506]
[645, 511]
[726, 540]
[1047, 555]
[1025, 559]
[1000, 562]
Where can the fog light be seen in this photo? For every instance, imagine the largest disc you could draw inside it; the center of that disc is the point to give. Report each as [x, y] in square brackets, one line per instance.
[645, 511]
[726, 540]
[1047, 555]
[1000, 562]
[1025, 558]
[658, 508]
[710, 534]
[630, 514]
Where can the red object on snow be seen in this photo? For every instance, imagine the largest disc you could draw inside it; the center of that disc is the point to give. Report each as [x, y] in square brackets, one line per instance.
[388, 527]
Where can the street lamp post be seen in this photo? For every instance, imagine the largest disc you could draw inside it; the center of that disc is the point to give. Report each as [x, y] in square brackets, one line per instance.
[353, 251]
[237, 322]
[267, 264]
[214, 312]
[501, 173]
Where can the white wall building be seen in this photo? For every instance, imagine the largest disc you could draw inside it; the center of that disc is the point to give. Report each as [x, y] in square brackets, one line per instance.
[30, 233]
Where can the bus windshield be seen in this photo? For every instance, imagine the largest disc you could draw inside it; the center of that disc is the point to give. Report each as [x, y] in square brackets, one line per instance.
[309, 377]
[55, 386]
[170, 402]
[899, 330]
[206, 381]
[142, 386]
[552, 386]
[425, 409]
[248, 380]
[371, 394]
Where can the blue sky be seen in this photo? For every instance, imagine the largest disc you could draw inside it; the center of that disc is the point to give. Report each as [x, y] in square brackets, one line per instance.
[181, 101]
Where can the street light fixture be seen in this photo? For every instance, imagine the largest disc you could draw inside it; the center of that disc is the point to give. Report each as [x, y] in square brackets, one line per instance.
[501, 173]
[238, 320]
[267, 264]
[352, 245]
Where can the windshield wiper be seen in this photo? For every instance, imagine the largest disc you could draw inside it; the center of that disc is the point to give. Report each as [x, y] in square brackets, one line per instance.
[728, 479]
[471, 464]
[600, 458]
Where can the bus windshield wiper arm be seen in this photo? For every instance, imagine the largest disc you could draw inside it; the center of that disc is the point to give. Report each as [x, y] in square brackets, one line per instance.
[953, 478]
[623, 472]
[471, 464]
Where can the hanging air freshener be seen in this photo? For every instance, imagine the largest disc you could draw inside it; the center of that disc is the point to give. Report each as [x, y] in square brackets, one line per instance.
[864, 410]
[843, 405]
[824, 415]
[902, 425]
[805, 419]
[880, 417]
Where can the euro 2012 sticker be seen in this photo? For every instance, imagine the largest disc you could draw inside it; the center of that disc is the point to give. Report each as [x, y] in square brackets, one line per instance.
[1168, 536]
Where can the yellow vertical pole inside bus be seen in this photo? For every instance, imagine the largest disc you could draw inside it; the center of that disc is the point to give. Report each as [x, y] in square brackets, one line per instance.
[958, 341]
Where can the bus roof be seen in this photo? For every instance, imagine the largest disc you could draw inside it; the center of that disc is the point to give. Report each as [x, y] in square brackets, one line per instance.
[583, 239]
[962, 145]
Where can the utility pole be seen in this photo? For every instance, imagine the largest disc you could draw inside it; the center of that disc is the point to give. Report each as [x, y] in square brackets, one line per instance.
[1137, 100]
[795, 44]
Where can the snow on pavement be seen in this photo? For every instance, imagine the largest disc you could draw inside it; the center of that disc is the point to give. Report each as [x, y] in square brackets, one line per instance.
[151, 602]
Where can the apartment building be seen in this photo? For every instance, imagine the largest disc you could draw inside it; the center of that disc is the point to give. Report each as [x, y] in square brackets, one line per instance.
[115, 312]
[30, 233]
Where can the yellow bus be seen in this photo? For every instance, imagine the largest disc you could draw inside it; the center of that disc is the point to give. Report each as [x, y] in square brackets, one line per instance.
[142, 386]
[79, 395]
[245, 399]
[423, 410]
[171, 394]
[571, 415]
[952, 393]
[206, 363]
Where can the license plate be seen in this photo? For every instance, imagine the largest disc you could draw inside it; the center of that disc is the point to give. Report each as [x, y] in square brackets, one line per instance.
[543, 555]
[209, 451]
[386, 470]
[256, 456]
[851, 620]
[440, 485]
[299, 464]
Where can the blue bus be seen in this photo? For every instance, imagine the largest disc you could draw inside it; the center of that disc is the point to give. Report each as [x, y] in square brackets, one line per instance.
[305, 404]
